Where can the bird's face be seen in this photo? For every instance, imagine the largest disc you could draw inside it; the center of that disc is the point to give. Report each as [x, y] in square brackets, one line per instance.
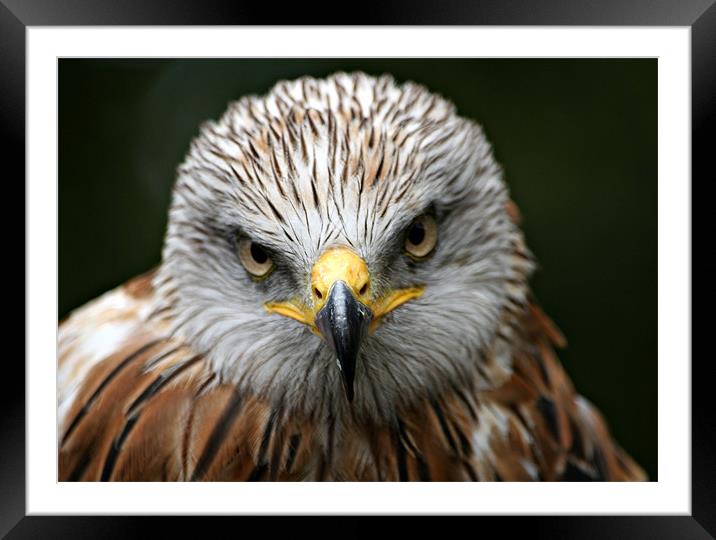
[313, 247]
[344, 307]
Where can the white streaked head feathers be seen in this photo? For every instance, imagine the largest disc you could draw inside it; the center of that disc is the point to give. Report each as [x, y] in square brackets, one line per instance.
[347, 160]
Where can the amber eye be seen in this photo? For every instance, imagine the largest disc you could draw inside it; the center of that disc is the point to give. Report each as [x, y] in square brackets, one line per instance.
[421, 237]
[254, 258]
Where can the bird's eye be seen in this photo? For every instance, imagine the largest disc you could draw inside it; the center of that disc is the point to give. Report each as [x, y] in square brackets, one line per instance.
[421, 237]
[254, 258]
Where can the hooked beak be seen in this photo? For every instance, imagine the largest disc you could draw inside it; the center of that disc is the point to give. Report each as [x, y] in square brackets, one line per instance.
[343, 307]
[343, 321]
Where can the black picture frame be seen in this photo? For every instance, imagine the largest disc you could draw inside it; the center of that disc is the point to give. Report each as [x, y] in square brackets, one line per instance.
[699, 15]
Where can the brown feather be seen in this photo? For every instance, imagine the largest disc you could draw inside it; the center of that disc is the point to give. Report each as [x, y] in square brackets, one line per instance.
[153, 410]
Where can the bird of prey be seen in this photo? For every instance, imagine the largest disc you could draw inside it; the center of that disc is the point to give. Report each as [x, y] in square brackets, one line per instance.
[343, 295]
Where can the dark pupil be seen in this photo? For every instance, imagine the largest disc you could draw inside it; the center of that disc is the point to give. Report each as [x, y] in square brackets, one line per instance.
[258, 253]
[416, 234]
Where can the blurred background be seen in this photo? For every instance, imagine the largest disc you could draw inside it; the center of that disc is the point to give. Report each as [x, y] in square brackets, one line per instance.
[577, 140]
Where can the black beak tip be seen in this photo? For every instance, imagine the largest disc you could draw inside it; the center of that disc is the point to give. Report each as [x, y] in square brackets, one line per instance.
[349, 392]
[343, 322]
[347, 378]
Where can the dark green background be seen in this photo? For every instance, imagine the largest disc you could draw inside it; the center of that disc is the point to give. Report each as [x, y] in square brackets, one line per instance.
[577, 139]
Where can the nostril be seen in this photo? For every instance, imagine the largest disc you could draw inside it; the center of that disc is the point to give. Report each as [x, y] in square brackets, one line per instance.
[363, 289]
[318, 293]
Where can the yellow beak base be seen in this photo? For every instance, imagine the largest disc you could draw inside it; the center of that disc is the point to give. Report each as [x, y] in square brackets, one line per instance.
[342, 264]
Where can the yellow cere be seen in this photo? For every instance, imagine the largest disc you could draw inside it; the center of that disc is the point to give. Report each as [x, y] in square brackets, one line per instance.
[338, 264]
[342, 264]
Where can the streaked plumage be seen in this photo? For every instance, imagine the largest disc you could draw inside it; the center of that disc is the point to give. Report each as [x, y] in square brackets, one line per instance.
[191, 373]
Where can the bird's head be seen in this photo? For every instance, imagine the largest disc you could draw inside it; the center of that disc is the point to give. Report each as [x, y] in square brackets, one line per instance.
[342, 238]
